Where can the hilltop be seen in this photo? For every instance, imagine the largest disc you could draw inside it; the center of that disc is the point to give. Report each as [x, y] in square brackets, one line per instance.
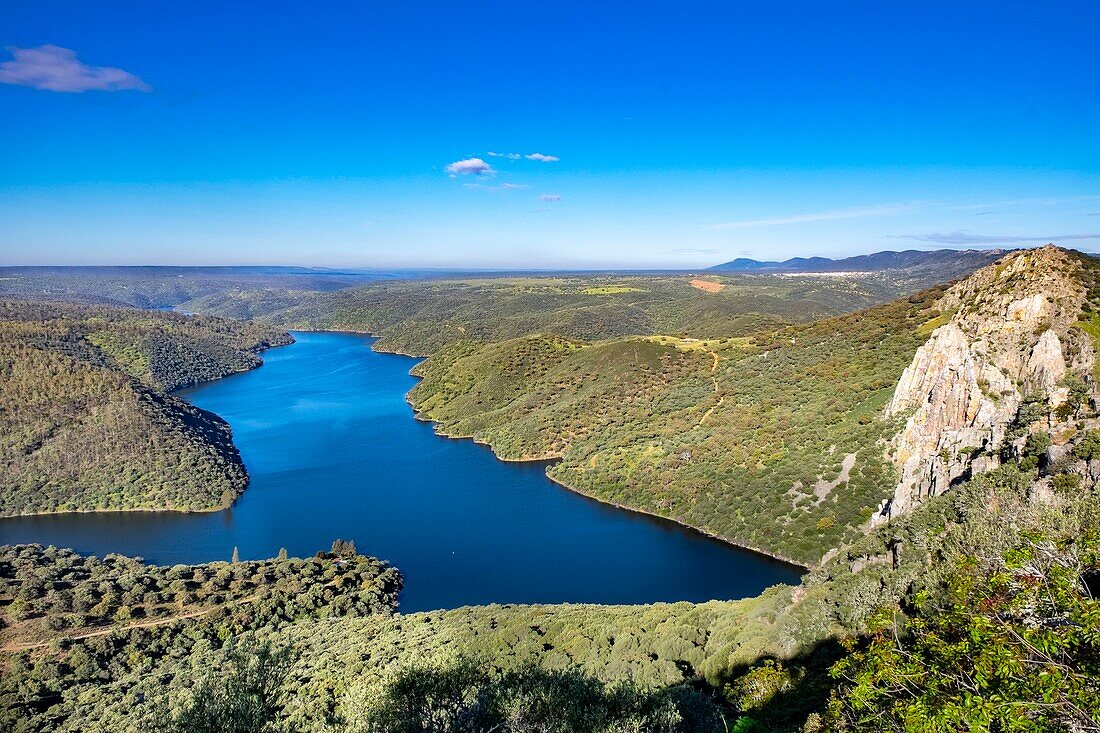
[421, 317]
[947, 263]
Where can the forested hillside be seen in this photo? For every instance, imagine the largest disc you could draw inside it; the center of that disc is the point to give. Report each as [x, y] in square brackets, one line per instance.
[966, 599]
[164, 287]
[775, 441]
[86, 420]
[87, 640]
[770, 440]
[985, 576]
[421, 317]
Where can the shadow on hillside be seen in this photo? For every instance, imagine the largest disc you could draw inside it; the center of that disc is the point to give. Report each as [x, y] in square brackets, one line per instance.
[779, 695]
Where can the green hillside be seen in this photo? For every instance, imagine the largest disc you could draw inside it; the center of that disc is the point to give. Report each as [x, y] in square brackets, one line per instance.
[768, 440]
[829, 655]
[961, 604]
[420, 317]
[87, 422]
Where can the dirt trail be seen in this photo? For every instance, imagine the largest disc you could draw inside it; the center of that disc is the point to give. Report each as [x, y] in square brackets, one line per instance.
[717, 389]
[127, 627]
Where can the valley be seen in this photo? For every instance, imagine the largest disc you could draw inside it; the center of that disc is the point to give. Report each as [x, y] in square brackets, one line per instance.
[932, 461]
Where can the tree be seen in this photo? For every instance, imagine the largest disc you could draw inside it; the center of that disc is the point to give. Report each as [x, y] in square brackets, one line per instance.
[246, 698]
[343, 548]
[467, 697]
[1013, 646]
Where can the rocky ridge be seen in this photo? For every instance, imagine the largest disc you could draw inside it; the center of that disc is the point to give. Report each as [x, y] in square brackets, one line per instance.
[1008, 353]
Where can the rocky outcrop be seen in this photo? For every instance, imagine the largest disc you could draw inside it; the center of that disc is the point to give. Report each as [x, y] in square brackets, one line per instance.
[1006, 338]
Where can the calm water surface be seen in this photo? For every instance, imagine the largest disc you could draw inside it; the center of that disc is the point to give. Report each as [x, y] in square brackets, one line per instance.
[334, 451]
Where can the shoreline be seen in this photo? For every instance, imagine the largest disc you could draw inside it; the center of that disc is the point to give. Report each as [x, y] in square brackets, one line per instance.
[176, 393]
[419, 416]
[134, 510]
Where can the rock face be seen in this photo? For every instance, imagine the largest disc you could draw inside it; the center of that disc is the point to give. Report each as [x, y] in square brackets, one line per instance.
[1006, 338]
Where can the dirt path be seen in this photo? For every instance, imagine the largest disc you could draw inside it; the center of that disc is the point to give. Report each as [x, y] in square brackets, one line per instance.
[717, 389]
[137, 625]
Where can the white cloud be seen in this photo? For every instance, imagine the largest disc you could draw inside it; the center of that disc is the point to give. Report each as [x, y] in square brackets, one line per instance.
[55, 69]
[513, 185]
[509, 156]
[470, 166]
[542, 158]
[549, 197]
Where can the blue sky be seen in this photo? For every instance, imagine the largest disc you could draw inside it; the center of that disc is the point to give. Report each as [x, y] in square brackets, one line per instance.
[683, 134]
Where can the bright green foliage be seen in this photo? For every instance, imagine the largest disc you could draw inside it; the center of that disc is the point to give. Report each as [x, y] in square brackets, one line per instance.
[1088, 448]
[1034, 449]
[1012, 646]
[759, 686]
[245, 698]
[465, 697]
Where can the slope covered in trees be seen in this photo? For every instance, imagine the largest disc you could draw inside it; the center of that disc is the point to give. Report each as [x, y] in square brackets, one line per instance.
[86, 641]
[86, 420]
[769, 440]
[421, 317]
[778, 440]
[972, 606]
[167, 286]
[882, 636]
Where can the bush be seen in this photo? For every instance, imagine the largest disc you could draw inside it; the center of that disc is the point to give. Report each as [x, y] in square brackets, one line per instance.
[1013, 646]
[468, 697]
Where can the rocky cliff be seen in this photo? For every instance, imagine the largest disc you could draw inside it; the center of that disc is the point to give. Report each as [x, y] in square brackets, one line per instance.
[1008, 353]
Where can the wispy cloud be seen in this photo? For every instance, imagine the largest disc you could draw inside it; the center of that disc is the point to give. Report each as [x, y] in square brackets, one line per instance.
[529, 156]
[55, 69]
[1017, 203]
[501, 187]
[470, 166]
[549, 197]
[854, 213]
[690, 251]
[971, 238]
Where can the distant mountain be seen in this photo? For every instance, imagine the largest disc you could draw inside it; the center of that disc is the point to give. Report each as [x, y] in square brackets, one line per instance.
[962, 260]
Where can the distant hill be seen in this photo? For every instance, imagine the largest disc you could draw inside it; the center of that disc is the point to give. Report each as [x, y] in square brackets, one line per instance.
[167, 286]
[964, 261]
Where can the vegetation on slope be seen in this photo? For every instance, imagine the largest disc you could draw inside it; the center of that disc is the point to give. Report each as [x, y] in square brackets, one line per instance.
[421, 317]
[940, 615]
[167, 286]
[771, 441]
[976, 609]
[117, 678]
[84, 414]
